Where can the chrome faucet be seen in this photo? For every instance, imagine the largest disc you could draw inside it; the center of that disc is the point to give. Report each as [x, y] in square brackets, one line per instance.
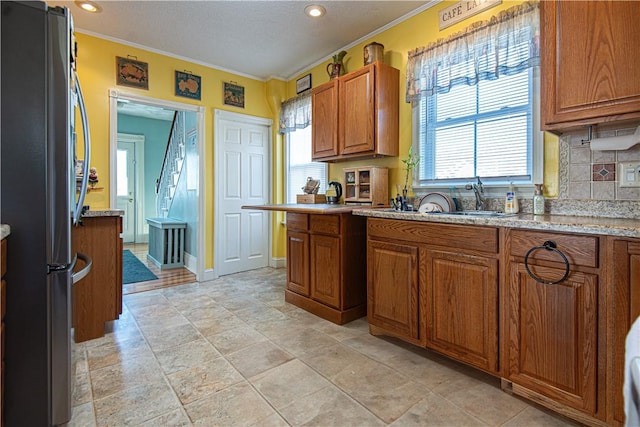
[478, 190]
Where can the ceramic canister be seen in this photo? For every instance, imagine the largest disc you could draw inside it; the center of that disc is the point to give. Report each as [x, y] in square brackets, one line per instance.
[373, 52]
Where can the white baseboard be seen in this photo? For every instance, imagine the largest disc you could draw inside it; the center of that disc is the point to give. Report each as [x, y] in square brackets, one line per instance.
[142, 238]
[278, 262]
[209, 274]
[191, 263]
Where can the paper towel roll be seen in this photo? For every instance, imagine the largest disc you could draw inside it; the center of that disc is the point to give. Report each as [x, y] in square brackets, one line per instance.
[616, 142]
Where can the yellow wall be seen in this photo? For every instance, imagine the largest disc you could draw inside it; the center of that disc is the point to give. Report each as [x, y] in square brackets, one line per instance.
[97, 71]
[416, 32]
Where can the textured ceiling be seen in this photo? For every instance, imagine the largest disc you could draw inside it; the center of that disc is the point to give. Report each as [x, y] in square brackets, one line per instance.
[260, 39]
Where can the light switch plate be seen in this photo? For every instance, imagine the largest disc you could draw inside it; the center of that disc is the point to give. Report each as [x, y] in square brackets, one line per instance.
[629, 174]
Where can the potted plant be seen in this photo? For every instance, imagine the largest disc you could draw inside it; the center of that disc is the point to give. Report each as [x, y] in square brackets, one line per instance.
[410, 163]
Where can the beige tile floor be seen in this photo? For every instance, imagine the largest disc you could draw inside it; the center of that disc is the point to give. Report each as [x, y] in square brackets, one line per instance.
[231, 352]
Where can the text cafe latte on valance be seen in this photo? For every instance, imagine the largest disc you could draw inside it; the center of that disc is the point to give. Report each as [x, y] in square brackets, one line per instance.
[463, 10]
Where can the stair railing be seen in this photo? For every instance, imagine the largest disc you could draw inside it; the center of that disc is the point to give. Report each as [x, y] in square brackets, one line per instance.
[171, 165]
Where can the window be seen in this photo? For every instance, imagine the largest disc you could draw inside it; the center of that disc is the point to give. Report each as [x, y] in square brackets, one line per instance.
[475, 103]
[299, 165]
[484, 130]
[122, 186]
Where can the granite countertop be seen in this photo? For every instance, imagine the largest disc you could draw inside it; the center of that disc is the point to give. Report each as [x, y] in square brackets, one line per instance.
[624, 227]
[107, 212]
[317, 208]
[5, 230]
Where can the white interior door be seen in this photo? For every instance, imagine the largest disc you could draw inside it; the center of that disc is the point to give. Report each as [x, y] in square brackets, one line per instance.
[126, 193]
[242, 178]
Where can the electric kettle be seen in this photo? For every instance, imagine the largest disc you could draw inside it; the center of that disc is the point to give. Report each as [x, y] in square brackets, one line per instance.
[334, 194]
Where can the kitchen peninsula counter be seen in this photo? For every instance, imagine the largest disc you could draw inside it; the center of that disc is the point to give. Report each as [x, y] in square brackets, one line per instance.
[326, 259]
[307, 208]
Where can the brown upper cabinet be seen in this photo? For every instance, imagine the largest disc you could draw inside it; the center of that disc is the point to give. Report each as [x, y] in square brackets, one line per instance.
[356, 115]
[590, 59]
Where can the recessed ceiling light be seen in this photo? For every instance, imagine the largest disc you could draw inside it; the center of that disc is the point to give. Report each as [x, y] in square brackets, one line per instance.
[89, 6]
[314, 10]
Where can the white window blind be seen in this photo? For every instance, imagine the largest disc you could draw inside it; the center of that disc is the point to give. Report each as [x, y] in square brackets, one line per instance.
[482, 130]
[299, 165]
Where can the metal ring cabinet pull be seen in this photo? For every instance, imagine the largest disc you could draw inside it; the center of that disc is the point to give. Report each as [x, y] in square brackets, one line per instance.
[549, 245]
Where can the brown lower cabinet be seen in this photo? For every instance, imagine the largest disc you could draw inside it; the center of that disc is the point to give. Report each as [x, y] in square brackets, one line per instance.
[435, 285]
[462, 309]
[97, 298]
[625, 309]
[553, 323]
[554, 336]
[393, 291]
[326, 265]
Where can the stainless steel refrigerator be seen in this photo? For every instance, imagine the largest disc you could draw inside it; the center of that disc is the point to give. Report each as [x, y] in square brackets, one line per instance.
[40, 202]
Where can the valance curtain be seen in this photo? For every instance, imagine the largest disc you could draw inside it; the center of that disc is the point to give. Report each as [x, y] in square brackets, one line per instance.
[295, 113]
[506, 44]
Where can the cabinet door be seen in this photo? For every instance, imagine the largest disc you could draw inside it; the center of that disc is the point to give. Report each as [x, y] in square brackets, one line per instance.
[350, 185]
[626, 308]
[379, 186]
[590, 59]
[325, 269]
[119, 249]
[324, 101]
[98, 299]
[462, 320]
[364, 185]
[357, 112]
[393, 301]
[298, 262]
[553, 335]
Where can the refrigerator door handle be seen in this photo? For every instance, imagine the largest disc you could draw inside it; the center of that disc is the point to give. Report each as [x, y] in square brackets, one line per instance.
[87, 152]
[79, 275]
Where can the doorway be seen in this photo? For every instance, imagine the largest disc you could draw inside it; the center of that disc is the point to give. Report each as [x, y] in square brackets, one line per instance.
[242, 151]
[130, 187]
[133, 183]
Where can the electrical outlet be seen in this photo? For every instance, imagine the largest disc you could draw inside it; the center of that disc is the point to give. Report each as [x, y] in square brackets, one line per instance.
[629, 174]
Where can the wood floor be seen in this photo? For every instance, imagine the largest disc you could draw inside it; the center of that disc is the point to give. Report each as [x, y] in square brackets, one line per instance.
[166, 278]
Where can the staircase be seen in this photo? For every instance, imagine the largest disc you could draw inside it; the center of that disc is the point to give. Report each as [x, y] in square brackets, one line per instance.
[171, 166]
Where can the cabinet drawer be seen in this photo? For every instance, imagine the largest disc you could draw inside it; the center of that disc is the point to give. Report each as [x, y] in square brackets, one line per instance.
[327, 224]
[297, 221]
[579, 250]
[469, 237]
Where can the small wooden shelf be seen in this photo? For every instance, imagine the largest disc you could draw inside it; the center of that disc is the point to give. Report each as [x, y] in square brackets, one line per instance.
[367, 186]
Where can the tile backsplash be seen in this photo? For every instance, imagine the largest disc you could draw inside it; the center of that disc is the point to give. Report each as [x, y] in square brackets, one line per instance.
[592, 175]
